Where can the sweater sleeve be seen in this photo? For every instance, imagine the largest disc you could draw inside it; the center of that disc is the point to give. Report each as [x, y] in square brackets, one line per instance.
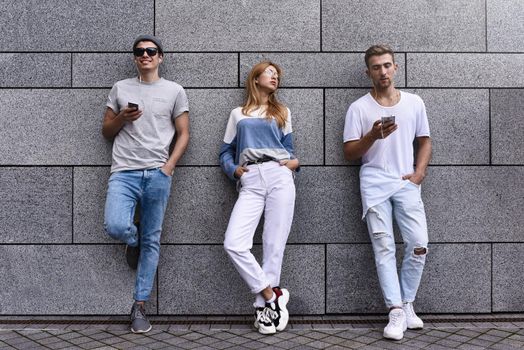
[227, 159]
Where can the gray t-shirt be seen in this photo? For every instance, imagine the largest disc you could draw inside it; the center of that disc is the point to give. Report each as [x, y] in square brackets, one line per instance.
[144, 143]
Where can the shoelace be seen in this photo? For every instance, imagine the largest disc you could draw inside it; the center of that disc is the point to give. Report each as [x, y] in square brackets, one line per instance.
[408, 309]
[263, 316]
[272, 314]
[395, 319]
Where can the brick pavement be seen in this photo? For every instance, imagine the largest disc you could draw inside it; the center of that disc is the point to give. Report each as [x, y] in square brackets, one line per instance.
[503, 332]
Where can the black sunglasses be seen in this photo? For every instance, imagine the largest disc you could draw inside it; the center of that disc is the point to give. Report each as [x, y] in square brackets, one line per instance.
[139, 51]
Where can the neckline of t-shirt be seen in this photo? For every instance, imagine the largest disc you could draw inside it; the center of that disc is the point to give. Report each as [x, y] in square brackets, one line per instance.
[378, 104]
[256, 113]
[141, 82]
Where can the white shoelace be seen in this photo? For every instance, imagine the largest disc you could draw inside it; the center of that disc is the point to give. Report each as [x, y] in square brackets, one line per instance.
[395, 319]
[272, 314]
[408, 309]
[264, 316]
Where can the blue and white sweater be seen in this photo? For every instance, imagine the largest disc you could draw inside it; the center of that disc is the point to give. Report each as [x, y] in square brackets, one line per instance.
[253, 137]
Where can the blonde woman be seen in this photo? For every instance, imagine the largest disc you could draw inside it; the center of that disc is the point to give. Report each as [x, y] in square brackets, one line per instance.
[258, 153]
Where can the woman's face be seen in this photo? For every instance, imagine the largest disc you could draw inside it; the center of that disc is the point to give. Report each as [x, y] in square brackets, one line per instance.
[268, 79]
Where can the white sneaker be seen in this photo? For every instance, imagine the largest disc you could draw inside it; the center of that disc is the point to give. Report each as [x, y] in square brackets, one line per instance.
[396, 326]
[263, 321]
[412, 320]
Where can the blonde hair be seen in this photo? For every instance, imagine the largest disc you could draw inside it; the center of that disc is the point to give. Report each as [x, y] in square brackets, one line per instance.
[275, 109]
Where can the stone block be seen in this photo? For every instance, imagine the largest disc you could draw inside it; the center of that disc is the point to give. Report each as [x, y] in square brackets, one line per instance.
[328, 207]
[67, 280]
[74, 26]
[184, 291]
[210, 110]
[506, 126]
[475, 70]
[459, 125]
[457, 278]
[54, 127]
[458, 118]
[318, 69]
[35, 70]
[35, 205]
[507, 277]
[187, 69]
[474, 204]
[199, 207]
[239, 25]
[505, 25]
[90, 189]
[419, 25]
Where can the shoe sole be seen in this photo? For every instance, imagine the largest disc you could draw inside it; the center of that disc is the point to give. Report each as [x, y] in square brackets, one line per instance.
[388, 336]
[284, 314]
[263, 330]
[416, 327]
[141, 331]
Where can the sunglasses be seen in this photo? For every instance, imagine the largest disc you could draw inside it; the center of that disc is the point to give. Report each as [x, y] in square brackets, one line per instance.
[270, 73]
[139, 51]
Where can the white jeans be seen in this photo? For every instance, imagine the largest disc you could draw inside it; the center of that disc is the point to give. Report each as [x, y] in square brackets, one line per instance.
[266, 188]
[407, 207]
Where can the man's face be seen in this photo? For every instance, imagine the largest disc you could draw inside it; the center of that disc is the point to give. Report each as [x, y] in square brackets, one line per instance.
[147, 61]
[381, 70]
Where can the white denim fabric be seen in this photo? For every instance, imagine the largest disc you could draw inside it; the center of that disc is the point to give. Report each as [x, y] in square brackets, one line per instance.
[407, 208]
[267, 188]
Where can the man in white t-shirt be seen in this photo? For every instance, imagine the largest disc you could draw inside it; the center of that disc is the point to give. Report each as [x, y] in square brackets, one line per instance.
[380, 128]
[142, 116]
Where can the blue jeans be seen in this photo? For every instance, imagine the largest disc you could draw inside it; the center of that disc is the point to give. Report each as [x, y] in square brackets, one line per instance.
[150, 188]
[407, 208]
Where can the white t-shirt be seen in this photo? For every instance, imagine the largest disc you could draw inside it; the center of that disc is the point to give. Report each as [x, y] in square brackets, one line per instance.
[384, 164]
[144, 143]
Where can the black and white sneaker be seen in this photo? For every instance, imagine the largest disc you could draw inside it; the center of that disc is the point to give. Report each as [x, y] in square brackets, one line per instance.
[263, 321]
[279, 314]
[139, 322]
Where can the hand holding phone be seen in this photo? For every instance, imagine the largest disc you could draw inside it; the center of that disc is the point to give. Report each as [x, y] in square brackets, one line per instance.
[132, 105]
[388, 120]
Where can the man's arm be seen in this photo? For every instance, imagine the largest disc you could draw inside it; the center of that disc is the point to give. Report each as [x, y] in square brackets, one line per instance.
[423, 157]
[114, 122]
[354, 150]
[182, 140]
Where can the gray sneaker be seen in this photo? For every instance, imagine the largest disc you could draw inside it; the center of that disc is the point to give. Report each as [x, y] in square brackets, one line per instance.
[139, 322]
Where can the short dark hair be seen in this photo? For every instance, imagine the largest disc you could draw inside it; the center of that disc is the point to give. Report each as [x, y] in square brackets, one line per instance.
[378, 50]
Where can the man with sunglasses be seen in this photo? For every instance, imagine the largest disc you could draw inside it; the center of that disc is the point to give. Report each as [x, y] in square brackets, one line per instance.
[142, 116]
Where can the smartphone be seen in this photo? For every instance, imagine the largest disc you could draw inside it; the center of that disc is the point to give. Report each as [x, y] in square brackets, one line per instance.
[388, 119]
[132, 105]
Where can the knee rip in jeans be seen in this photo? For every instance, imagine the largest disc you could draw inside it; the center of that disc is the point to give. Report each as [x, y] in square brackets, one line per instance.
[420, 252]
[380, 234]
[377, 224]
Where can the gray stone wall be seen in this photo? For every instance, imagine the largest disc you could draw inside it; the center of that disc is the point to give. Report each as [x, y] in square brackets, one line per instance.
[59, 59]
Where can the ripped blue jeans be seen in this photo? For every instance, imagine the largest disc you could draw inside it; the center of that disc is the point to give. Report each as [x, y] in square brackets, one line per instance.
[407, 208]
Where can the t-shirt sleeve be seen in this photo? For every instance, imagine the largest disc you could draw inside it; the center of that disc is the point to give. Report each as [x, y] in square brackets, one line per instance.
[112, 101]
[422, 121]
[181, 104]
[352, 125]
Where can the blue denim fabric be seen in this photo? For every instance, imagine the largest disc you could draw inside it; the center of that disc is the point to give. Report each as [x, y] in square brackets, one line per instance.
[150, 188]
[407, 208]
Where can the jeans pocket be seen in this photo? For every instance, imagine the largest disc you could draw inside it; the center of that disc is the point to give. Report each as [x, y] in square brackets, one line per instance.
[164, 174]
